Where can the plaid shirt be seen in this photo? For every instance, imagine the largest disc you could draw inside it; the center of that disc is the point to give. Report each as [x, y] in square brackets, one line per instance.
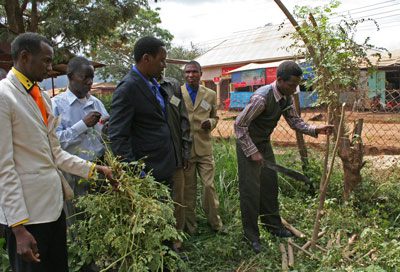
[254, 108]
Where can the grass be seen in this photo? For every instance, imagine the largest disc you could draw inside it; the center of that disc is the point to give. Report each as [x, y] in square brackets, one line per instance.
[372, 214]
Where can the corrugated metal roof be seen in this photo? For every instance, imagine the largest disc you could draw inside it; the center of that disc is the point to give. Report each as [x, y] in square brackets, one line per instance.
[265, 44]
[253, 66]
[385, 61]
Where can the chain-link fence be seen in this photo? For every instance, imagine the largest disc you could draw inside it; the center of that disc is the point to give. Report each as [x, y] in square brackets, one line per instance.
[380, 134]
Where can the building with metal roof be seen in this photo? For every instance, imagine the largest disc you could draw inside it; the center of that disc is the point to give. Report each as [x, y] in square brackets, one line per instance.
[262, 45]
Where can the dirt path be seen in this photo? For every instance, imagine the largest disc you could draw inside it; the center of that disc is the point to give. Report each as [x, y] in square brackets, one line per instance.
[381, 133]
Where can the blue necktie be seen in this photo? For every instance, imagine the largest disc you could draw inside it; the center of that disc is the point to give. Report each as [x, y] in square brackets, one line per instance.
[159, 97]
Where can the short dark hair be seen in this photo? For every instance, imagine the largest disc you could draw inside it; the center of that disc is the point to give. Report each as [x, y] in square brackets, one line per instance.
[75, 64]
[193, 62]
[287, 69]
[146, 45]
[28, 41]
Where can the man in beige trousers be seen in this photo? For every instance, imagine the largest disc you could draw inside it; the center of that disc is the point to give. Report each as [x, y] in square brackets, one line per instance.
[201, 107]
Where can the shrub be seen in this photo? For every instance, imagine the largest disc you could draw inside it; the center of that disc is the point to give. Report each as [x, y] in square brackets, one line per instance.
[125, 230]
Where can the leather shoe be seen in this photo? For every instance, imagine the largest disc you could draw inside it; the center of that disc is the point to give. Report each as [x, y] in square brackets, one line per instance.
[256, 247]
[282, 233]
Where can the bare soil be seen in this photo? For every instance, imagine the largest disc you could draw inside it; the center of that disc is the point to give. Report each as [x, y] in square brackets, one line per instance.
[381, 132]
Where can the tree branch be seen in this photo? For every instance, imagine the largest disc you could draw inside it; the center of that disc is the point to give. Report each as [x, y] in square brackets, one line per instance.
[296, 26]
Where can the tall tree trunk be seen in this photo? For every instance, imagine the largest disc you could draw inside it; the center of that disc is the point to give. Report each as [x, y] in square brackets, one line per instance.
[351, 151]
[14, 14]
[33, 24]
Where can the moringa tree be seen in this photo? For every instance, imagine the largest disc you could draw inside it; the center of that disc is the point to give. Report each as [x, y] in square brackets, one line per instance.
[335, 55]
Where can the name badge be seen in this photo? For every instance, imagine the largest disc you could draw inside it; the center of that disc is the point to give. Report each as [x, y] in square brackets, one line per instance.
[205, 105]
[175, 101]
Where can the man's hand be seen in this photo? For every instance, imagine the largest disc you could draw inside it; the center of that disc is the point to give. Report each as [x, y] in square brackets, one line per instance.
[206, 124]
[257, 157]
[26, 244]
[327, 129]
[106, 171]
[92, 118]
[104, 120]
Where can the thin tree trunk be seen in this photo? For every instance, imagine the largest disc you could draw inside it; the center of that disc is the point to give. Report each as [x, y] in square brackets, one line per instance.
[325, 182]
[351, 152]
[301, 145]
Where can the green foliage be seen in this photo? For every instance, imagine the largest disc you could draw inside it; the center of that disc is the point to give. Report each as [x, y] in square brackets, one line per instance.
[104, 30]
[125, 229]
[331, 49]
[116, 49]
[106, 99]
[372, 214]
[4, 263]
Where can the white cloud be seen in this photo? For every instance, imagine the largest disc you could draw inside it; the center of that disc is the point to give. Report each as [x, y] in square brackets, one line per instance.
[201, 21]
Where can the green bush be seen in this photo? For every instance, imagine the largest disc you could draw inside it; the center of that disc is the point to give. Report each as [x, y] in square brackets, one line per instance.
[125, 229]
[106, 99]
[4, 262]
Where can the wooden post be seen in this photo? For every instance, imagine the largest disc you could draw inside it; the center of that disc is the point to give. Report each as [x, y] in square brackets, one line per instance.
[324, 184]
[301, 145]
[52, 85]
[218, 85]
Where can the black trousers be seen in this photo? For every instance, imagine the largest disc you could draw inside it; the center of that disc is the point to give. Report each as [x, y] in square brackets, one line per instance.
[52, 243]
[258, 188]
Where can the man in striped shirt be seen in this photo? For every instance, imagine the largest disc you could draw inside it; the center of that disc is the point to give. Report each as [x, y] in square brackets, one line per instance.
[253, 128]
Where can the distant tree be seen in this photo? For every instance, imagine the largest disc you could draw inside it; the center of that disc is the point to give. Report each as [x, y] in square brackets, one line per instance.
[116, 50]
[81, 25]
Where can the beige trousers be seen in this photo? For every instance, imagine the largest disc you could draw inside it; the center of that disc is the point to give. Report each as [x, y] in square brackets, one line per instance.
[178, 197]
[204, 166]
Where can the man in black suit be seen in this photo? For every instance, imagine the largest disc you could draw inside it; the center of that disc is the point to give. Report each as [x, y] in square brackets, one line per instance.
[138, 125]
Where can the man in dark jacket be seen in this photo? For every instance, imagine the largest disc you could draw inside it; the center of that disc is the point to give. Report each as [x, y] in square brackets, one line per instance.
[179, 125]
[138, 126]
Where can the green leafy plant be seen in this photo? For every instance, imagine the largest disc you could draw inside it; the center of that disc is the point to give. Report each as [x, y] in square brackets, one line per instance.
[125, 229]
[4, 262]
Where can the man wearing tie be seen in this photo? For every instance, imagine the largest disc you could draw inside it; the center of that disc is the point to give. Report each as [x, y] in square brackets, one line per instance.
[138, 126]
[32, 187]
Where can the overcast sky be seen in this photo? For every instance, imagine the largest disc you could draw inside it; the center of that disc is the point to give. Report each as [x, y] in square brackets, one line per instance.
[204, 22]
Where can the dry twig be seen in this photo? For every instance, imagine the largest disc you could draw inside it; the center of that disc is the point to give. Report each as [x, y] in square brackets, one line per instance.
[284, 257]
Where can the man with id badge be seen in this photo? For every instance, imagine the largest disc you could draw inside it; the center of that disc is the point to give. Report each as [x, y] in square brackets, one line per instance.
[201, 106]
